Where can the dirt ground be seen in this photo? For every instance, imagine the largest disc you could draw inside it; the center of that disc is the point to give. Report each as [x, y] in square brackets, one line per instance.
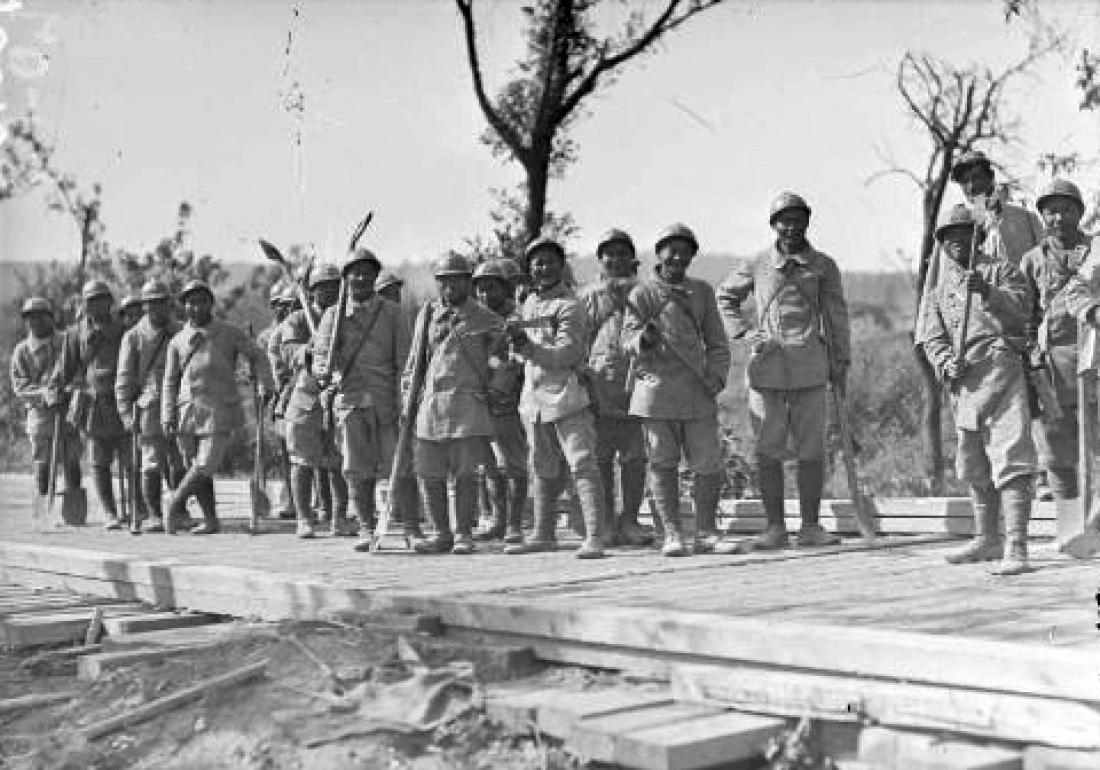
[267, 723]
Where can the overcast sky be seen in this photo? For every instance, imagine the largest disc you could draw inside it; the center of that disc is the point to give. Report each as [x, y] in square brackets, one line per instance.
[165, 101]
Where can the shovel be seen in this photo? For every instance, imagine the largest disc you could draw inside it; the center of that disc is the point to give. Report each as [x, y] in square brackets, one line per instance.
[257, 492]
[1085, 544]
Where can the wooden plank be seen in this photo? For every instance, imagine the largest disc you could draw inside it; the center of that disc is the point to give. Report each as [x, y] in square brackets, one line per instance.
[33, 701]
[561, 710]
[157, 621]
[889, 525]
[1047, 758]
[596, 736]
[698, 743]
[19, 631]
[923, 751]
[834, 698]
[90, 668]
[515, 710]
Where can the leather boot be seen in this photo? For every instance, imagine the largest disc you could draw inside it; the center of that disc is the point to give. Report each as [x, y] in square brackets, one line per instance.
[987, 545]
[341, 525]
[104, 490]
[517, 503]
[484, 517]
[324, 492]
[664, 483]
[611, 523]
[208, 504]
[1016, 498]
[707, 490]
[573, 513]
[301, 490]
[632, 488]
[466, 511]
[433, 493]
[361, 506]
[544, 538]
[774, 536]
[590, 493]
[811, 480]
[188, 487]
[151, 490]
[496, 486]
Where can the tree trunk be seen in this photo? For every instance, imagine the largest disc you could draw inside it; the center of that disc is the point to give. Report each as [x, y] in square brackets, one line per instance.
[538, 177]
[931, 424]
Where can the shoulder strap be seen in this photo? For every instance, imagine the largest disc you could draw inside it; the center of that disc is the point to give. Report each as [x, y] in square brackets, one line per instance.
[367, 329]
[162, 339]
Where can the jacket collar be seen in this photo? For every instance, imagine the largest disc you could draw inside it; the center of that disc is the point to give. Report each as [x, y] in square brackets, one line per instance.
[556, 291]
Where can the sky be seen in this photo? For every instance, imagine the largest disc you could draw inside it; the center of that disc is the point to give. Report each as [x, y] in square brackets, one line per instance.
[163, 101]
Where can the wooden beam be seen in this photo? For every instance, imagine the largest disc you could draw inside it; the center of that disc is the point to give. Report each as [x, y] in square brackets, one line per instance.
[19, 631]
[91, 667]
[33, 701]
[157, 621]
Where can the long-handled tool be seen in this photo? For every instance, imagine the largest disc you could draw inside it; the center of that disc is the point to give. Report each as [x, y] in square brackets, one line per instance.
[1086, 543]
[135, 466]
[257, 491]
[123, 494]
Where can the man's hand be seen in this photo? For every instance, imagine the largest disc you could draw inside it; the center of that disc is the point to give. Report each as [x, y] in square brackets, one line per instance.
[954, 369]
[977, 284]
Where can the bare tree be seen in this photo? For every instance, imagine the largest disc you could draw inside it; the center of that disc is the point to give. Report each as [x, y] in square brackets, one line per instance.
[959, 109]
[565, 63]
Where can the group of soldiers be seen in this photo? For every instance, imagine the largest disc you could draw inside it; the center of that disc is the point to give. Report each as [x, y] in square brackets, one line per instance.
[509, 374]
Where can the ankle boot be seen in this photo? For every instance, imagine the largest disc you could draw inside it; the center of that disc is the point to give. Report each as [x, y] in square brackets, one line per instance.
[361, 506]
[496, 486]
[104, 490]
[151, 490]
[517, 503]
[811, 480]
[341, 525]
[544, 538]
[433, 493]
[466, 512]
[774, 537]
[301, 490]
[590, 493]
[208, 504]
[987, 545]
[188, 487]
[1016, 498]
[324, 492]
[707, 489]
[632, 489]
[665, 485]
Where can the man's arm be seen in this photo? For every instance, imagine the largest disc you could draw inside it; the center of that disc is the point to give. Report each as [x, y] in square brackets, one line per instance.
[127, 387]
[835, 309]
[23, 384]
[734, 290]
[569, 346]
[715, 341]
[170, 388]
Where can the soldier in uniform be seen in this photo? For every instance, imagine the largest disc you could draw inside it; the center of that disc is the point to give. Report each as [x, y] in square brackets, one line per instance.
[507, 479]
[617, 432]
[551, 339]
[138, 385]
[1048, 269]
[371, 349]
[453, 424]
[309, 441]
[389, 286]
[682, 358]
[283, 302]
[86, 370]
[1006, 231]
[800, 343]
[32, 364]
[986, 375]
[200, 404]
[129, 311]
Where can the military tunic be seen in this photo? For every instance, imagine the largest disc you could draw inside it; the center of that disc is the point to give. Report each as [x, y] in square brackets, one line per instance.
[300, 394]
[678, 405]
[200, 400]
[453, 423]
[801, 335]
[32, 363]
[141, 364]
[371, 353]
[992, 417]
[509, 443]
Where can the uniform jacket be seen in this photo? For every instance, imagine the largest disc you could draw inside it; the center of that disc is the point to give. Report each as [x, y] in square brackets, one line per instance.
[608, 360]
[454, 400]
[299, 390]
[90, 361]
[556, 350]
[141, 363]
[505, 370]
[32, 364]
[689, 322]
[373, 378]
[200, 386]
[1012, 233]
[801, 316]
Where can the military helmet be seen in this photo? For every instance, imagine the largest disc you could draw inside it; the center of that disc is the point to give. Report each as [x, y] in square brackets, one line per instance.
[323, 273]
[451, 264]
[357, 256]
[544, 242]
[786, 201]
[193, 286]
[129, 301]
[93, 289]
[678, 230]
[614, 235]
[958, 215]
[967, 161]
[493, 268]
[37, 305]
[153, 290]
[388, 278]
[1060, 188]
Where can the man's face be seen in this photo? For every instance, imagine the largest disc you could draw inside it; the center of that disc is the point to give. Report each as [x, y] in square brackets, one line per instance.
[361, 277]
[198, 307]
[957, 242]
[617, 260]
[492, 292]
[39, 324]
[98, 308]
[976, 183]
[675, 256]
[454, 290]
[158, 311]
[546, 266]
[790, 228]
[326, 293]
[1061, 216]
[131, 315]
